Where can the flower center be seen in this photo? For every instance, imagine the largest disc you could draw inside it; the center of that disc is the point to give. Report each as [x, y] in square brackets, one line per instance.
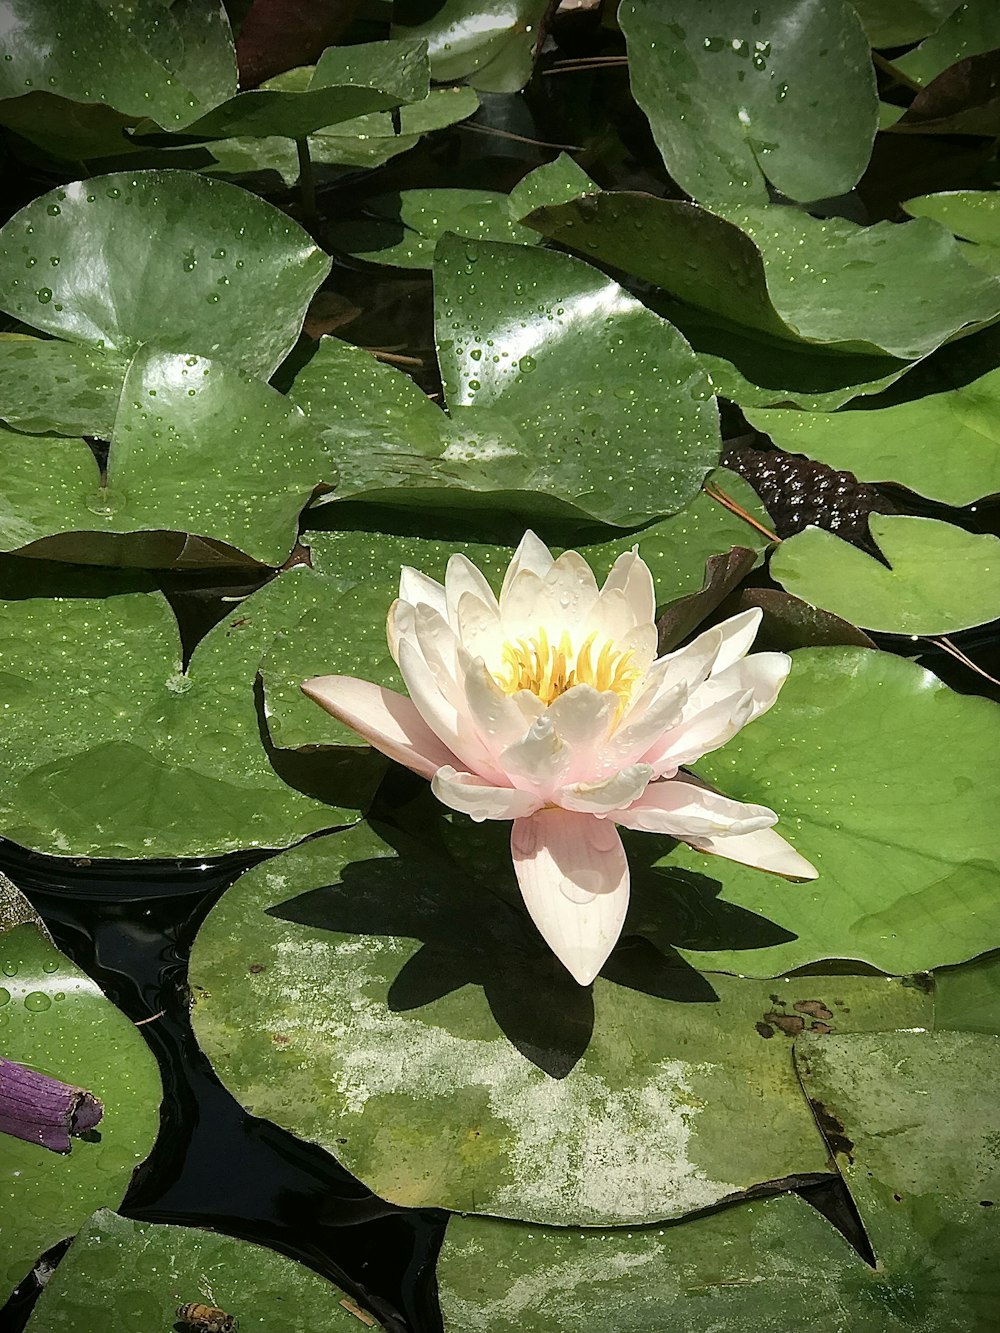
[548, 670]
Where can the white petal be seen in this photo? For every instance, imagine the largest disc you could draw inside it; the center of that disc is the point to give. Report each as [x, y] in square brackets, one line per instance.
[636, 734]
[602, 798]
[521, 610]
[453, 726]
[399, 623]
[701, 734]
[531, 554]
[764, 850]
[435, 640]
[631, 574]
[540, 760]
[738, 634]
[501, 719]
[417, 588]
[762, 675]
[582, 718]
[477, 624]
[472, 796]
[460, 577]
[688, 810]
[387, 720]
[690, 666]
[575, 883]
[569, 592]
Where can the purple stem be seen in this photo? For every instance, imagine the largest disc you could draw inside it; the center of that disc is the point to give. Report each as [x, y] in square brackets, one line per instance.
[42, 1110]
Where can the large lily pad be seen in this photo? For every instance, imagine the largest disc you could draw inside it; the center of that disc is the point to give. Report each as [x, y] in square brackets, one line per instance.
[880, 776]
[740, 94]
[777, 271]
[944, 445]
[56, 1020]
[489, 42]
[107, 759]
[365, 567]
[51, 387]
[939, 579]
[121, 1275]
[221, 257]
[398, 1008]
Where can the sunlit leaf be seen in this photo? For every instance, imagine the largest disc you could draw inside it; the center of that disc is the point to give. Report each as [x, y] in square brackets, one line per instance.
[489, 42]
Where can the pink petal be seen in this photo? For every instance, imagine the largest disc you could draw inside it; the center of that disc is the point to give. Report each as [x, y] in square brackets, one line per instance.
[688, 810]
[575, 883]
[764, 850]
[472, 796]
[387, 720]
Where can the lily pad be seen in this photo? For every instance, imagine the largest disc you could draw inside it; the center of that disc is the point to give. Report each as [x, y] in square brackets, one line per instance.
[101, 760]
[939, 578]
[398, 1008]
[880, 776]
[50, 484]
[779, 272]
[945, 445]
[739, 95]
[121, 1275]
[55, 388]
[969, 29]
[967, 998]
[899, 22]
[491, 43]
[56, 1020]
[972, 214]
[221, 257]
[365, 567]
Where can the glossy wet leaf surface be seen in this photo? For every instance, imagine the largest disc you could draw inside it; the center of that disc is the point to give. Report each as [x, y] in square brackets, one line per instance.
[149, 761]
[221, 258]
[344, 992]
[941, 578]
[121, 1275]
[740, 94]
[57, 1021]
[969, 29]
[944, 445]
[880, 776]
[51, 387]
[490, 43]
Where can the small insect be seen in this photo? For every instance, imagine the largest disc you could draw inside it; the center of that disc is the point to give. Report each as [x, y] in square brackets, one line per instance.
[207, 1318]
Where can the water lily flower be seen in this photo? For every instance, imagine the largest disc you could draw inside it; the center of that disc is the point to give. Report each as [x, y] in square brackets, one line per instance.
[548, 706]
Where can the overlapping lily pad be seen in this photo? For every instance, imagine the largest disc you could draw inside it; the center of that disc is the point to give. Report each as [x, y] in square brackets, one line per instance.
[77, 263]
[51, 387]
[969, 29]
[397, 1007]
[110, 750]
[56, 1020]
[121, 1275]
[491, 43]
[899, 22]
[943, 445]
[739, 95]
[939, 577]
[880, 776]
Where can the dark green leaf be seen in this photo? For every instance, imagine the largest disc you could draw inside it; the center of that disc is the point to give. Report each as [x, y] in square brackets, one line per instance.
[489, 42]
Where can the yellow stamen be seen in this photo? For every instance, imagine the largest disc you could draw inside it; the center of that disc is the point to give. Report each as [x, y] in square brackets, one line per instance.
[548, 670]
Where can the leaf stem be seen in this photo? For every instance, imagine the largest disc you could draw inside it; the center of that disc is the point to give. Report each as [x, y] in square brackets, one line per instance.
[307, 183]
[716, 493]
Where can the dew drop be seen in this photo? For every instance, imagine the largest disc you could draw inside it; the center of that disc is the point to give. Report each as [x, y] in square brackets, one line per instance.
[44, 295]
[36, 1002]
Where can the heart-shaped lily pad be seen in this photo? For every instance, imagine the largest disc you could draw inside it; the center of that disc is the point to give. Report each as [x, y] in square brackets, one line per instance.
[739, 95]
[54, 1019]
[880, 776]
[121, 1275]
[221, 258]
[391, 1006]
[490, 44]
[939, 578]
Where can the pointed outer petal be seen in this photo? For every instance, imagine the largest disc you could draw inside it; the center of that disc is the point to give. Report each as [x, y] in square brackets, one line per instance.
[417, 588]
[499, 718]
[521, 611]
[387, 720]
[435, 640]
[575, 883]
[539, 762]
[764, 850]
[399, 623]
[691, 665]
[453, 727]
[583, 718]
[462, 576]
[569, 594]
[701, 734]
[604, 798]
[633, 738]
[738, 634]
[762, 675]
[532, 554]
[477, 624]
[688, 810]
[631, 574]
[472, 796]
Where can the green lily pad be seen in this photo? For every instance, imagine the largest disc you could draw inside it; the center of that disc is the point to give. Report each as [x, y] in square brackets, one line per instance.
[940, 578]
[57, 1021]
[55, 388]
[221, 257]
[969, 29]
[912, 1121]
[121, 1275]
[880, 776]
[491, 43]
[110, 750]
[899, 22]
[972, 214]
[397, 1008]
[967, 998]
[365, 567]
[779, 272]
[945, 445]
[739, 95]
